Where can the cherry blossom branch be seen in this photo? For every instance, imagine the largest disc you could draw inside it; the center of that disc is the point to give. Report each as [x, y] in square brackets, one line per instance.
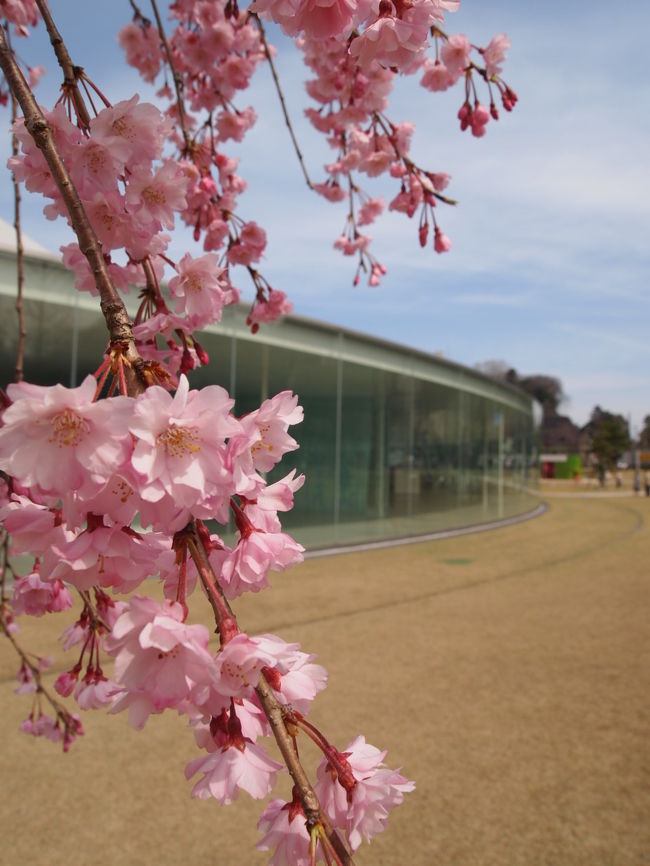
[283, 104]
[273, 709]
[408, 163]
[20, 276]
[70, 724]
[178, 81]
[70, 71]
[112, 306]
[223, 613]
[4, 568]
[275, 713]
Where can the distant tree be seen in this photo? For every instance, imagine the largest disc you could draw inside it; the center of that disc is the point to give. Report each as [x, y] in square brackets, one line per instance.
[644, 436]
[547, 390]
[610, 439]
[499, 370]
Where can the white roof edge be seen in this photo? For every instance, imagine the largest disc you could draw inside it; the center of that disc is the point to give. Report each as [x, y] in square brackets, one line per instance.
[30, 246]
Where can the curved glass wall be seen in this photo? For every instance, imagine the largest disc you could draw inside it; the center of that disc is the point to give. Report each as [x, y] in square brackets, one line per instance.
[394, 442]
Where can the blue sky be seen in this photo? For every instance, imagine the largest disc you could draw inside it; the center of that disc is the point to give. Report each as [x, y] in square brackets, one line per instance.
[550, 267]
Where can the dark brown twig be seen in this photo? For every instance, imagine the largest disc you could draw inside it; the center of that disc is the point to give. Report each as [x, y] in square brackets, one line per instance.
[66, 64]
[178, 81]
[227, 625]
[20, 276]
[283, 104]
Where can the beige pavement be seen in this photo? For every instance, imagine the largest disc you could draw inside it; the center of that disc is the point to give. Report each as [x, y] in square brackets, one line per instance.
[507, 672]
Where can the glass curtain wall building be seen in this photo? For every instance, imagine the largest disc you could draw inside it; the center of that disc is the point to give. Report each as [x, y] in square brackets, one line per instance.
[395, 442]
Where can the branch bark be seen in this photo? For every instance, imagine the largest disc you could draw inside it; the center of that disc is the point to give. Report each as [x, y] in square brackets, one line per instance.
[178, 81]
[66, 64]
[285, 111]
[227, 624]
[20, 276]
[112, 306]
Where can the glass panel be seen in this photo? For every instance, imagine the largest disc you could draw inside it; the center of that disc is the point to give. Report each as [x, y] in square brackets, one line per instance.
[412, 456]
[314, 380]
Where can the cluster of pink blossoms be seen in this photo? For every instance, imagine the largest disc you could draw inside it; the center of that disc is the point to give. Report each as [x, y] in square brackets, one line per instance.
[352, 86]
[355, 50]
[214, 53]
[107, 470]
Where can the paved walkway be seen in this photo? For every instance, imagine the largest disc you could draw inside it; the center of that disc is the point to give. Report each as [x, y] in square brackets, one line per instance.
[507, 672]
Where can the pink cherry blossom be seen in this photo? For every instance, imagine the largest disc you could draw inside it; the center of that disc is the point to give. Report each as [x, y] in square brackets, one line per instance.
[455, 54]
[34, 528]
[495, 54]
[262, 510]
[377, 162]
[436, 76]
[142, 48]
[269, 308]
[359, 792]
[158, 659]
[158, 195]
[265, 436]
[181, 445]
[330, 191]
[95, 166]
[320, 19]
[231, 768]
[257, 553]
[249, 246]
[35, 597]
[479, 120]
[21, 13]
[285, 833]
[105, 556]
[294, 676]
[235, 125]
[42, 726]
[238, 664]
[369, 212]
[200, 289]
[75, 260]
[94, 691]
[136, 130]
[72, 435]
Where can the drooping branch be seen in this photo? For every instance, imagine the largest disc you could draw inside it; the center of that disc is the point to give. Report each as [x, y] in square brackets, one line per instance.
[20, 276]
[66, 64]
[62, 715]
[112, 306]
[227, 626]
[223, 613]
[278, 87]
[178, 81]
[313, 812]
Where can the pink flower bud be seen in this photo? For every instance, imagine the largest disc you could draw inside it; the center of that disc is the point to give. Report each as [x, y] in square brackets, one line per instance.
[441, 242]
[66, 682]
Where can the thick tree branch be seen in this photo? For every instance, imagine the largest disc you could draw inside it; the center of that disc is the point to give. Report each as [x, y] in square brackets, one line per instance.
[112, 306]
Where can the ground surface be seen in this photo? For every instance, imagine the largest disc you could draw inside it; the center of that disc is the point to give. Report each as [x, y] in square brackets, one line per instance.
[507, 672]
